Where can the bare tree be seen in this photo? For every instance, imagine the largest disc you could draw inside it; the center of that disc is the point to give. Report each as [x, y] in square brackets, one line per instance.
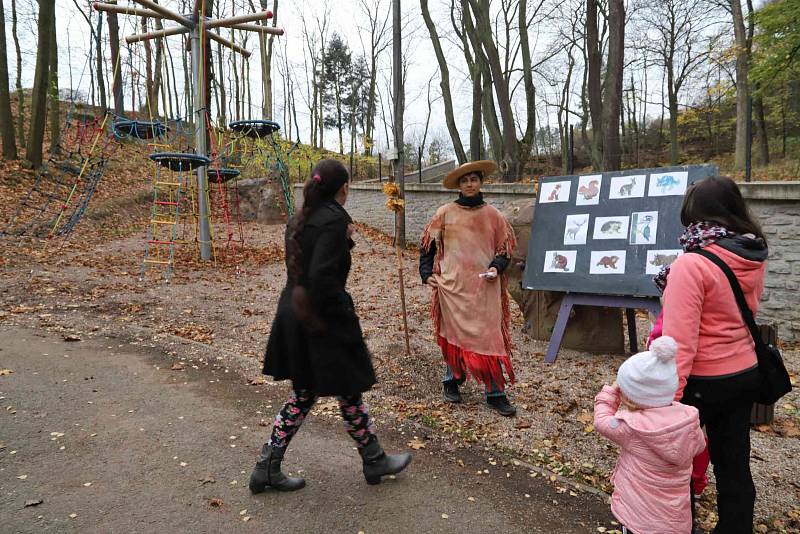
[377, 27]
[52, 93]
[444, 83]
[34, 146]
[18, 85]
[514, 152]
[116, 62]
[742, 51]
[6, 119]
[680, 45]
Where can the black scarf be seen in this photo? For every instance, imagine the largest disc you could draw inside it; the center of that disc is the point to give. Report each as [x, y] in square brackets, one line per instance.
[470, 202]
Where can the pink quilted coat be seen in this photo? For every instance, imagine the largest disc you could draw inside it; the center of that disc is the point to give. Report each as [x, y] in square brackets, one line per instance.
[651, 479]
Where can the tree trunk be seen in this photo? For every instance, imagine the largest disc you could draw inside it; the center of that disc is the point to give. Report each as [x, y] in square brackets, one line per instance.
[116, 61]
[674, 149]
[6, 119]
[476, 128]
[444, 84]
[267, 62]
[54, 103]
[18, 85]
[98, 50]
[34, 146]
[761, 130]
[158, 78]
[742, 87]
[222, 105]
[593, 83]
[612, 102]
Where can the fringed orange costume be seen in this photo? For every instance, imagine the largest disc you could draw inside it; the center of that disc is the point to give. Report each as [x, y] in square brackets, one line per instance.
[471, 314]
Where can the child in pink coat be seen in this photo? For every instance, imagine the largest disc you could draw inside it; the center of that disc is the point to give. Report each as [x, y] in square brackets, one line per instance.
[702, 460]
[658, 438]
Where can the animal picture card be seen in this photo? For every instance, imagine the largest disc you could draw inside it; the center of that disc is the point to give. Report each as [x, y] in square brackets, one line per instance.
[560, 261]
[643, 227]
[607, 262]
[656, 259]
[627, 187]
[667, 184]
[576, 229]
[611, 227]
[554, 192]
[589, 190]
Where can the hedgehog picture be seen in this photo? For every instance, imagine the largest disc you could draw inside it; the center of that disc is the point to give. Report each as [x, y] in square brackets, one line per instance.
[611, 227]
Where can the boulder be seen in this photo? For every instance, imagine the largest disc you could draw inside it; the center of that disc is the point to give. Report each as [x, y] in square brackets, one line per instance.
[589, 329]
[261, 199]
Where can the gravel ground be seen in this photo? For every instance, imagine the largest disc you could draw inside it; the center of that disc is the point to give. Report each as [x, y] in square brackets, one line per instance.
[231, 307]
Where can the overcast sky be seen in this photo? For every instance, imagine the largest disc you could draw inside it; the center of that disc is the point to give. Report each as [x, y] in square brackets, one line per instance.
[345, 17]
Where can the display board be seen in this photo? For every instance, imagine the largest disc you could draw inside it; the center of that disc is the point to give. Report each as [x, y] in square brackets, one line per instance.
[608, 233]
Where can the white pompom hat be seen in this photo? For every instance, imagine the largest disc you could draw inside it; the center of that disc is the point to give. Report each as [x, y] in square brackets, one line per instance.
[650, 379]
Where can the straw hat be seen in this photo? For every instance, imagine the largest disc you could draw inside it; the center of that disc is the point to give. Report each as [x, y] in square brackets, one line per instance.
[484, 166]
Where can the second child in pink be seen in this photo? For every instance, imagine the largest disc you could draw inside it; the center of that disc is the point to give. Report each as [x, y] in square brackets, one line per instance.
[658, 439]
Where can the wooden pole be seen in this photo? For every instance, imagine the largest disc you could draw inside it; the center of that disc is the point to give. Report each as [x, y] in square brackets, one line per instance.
[177, 30]
[239, 19]
[397, 79]
[260, 29]
[166, 13]
[126, 10]
[403, 297]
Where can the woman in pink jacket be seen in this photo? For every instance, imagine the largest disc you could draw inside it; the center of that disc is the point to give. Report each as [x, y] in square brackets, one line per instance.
[717, 366]
[658, 438]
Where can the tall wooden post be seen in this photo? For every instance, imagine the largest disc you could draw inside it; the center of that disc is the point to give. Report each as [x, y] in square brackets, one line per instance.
[397, 79]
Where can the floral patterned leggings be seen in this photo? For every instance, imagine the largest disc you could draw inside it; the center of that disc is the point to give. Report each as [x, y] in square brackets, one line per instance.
[354, 413]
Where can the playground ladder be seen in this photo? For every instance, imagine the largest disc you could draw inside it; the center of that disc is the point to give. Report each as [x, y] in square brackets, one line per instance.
[162, 230]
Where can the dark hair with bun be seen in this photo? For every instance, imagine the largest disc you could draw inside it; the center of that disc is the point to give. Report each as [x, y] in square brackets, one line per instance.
[718, 199]
[327, 178]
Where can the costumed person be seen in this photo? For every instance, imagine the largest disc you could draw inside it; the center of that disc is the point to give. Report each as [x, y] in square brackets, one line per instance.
[717, 364]
[658, 439]
[465, 250]
[316, 339]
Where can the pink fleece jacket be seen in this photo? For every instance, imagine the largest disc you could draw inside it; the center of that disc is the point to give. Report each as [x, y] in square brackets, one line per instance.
[701, 314]
[652, 475]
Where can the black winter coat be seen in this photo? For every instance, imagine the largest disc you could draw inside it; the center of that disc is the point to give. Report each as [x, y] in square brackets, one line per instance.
[329, 358]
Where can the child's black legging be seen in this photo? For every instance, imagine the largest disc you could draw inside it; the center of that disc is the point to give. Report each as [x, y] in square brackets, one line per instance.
[354, 413]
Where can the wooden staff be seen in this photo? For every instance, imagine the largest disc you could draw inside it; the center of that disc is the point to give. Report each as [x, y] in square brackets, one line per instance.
[403, 296]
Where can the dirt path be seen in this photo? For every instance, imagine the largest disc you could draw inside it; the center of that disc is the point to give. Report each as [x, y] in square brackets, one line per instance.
[106, 429]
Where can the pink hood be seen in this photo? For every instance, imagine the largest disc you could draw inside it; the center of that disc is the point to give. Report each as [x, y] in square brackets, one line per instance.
[651, 479]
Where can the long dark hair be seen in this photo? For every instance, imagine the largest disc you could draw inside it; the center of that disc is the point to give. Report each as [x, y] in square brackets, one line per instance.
[327, 178]
[718, 199]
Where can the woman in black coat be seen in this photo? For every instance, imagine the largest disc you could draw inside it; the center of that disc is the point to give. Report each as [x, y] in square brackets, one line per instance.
[316, 340]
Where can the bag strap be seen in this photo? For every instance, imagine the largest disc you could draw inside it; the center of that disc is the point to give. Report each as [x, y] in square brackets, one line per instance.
[747, 314]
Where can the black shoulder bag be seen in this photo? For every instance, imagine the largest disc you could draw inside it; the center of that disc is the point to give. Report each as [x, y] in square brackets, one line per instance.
[775, 381]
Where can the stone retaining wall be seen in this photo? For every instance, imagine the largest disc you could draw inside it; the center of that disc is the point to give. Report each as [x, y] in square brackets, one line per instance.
[775, 204]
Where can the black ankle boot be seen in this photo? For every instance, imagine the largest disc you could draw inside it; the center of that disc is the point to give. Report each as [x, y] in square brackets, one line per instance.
[268, 474]
[450, 392]
[377, 463]
[501, 405]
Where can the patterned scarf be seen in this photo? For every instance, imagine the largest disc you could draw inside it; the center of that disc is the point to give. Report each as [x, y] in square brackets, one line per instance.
[697, 235]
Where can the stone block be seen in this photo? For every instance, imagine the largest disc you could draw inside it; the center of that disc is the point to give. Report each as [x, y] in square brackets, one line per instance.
[779, 267]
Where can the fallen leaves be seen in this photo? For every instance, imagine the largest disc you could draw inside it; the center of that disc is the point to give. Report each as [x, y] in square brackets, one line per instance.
[72, 337]
[6, 372]
[416, 444]
[33, 502]
[216, 503]
[177, 367]
[195, 332]
[257, 381]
